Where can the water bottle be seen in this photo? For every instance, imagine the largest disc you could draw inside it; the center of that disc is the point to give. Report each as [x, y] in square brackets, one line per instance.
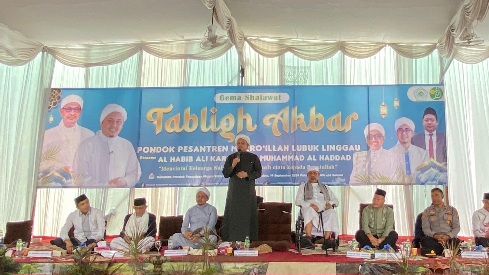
[353, 245]
[19, 247]
[247, 243]
[170, 243]
[1, 238]
[408, 247]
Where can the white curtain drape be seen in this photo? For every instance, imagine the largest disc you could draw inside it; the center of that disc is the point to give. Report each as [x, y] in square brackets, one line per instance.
[466, 87]
[462, 24]
[318, 50]
[16, 49]
[24, 90]
[468, 127]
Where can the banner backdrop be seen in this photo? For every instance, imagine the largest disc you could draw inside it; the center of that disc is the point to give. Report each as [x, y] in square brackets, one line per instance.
[158, 137]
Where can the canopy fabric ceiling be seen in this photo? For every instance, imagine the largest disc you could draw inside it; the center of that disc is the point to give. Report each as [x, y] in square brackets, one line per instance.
[69, 22]
[58, 24]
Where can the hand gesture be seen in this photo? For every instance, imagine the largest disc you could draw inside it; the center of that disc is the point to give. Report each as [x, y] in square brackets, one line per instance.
[315, 207]
[242, 175]
[117, 182]
[69, 246]
[235, 162]
[187, 234]
[127, 239]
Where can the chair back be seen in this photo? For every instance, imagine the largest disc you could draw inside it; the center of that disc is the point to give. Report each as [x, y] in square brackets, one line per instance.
[274, 220]
[18, 230]
[168, 226]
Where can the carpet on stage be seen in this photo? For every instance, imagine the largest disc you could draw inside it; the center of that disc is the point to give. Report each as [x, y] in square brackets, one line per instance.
[287, 262]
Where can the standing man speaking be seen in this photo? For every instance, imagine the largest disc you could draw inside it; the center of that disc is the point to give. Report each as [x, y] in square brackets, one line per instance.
[242, 169]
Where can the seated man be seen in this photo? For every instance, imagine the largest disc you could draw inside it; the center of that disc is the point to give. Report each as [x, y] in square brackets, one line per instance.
[138, 227]
[88, 223]
[418, 231]
[377, 224]
[440, 225]
[198, 219]
[480, 223]
[316, 201]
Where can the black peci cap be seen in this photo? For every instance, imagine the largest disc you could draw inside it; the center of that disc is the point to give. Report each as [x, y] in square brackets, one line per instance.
[139, 201]
[380, 192]
[80, 198]
[430, 111]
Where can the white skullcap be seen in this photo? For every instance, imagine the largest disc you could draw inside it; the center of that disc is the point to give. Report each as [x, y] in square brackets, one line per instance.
[113, 108]
[245, 137]
[70, 99]
[374, 126]
[312, 168]
[404, 120]
[205, 191]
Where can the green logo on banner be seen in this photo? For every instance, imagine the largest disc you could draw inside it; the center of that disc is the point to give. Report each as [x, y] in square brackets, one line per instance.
[436, 93]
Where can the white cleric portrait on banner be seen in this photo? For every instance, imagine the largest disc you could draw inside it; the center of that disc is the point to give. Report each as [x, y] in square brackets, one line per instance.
[61, 142]
[377, 165]
[410, 156]
[106, 159]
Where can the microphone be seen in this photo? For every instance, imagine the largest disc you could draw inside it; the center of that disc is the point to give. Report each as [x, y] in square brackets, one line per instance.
[238, 155]
[111, 152]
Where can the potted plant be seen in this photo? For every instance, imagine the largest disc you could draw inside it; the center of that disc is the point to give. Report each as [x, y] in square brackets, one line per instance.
[7, 266]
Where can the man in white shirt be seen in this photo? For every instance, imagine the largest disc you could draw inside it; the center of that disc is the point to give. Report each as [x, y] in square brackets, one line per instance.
[410, 156]
[106, 159]
[88, 224]
[480, 223]
[316, 201]
[433, 141]
[138, 227]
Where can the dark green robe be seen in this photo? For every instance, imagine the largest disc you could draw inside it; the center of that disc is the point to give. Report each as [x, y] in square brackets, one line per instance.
[240, 214]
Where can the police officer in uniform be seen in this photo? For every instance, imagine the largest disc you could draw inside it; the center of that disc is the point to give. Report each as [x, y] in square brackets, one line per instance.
[440, 225]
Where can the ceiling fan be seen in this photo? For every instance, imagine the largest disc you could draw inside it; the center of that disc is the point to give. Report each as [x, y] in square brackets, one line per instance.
[211, 39]
[471, 39]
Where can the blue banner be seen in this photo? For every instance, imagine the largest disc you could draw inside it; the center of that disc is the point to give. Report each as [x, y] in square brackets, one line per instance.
[156, 137]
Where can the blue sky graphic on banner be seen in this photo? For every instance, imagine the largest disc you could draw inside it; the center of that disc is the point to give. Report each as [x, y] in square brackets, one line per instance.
[182, 136]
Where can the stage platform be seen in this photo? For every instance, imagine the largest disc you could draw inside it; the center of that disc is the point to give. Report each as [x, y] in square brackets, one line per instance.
[287, 262]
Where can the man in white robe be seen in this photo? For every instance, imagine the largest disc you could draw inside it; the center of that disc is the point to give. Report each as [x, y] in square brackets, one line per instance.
[317, 200]
[61, 142]
[410, 156]
[107, 160]
[480, 223]
[138, 227]
[198, 219]
[377, 165]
